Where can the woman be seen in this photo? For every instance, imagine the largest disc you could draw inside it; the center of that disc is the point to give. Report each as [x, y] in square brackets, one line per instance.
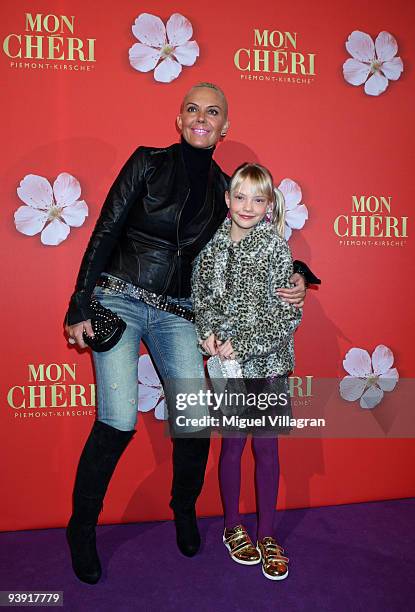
[163, 208]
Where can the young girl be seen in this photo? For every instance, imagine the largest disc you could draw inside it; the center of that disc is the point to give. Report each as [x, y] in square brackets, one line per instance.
[239, 316]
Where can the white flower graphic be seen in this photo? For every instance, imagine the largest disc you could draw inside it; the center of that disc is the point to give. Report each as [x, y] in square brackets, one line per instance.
[375, 59]
[369, 377]
[171, 44]
[50, 211]
[296, 214]
[150, 390]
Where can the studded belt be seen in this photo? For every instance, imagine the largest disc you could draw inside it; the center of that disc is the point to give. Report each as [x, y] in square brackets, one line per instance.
[152, 299]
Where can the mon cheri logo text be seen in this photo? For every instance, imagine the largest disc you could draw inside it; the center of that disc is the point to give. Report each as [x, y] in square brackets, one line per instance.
[48, 42]
[371, 222]
[274, 56]
[51, 390]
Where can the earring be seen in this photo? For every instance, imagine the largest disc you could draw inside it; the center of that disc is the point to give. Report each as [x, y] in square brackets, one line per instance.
[268, 215]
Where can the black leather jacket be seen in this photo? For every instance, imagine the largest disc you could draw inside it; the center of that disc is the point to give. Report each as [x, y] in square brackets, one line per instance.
[138, 236]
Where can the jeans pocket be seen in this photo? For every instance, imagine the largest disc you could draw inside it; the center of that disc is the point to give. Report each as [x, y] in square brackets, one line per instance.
[108, 298]
[99, 292]
[185, 302]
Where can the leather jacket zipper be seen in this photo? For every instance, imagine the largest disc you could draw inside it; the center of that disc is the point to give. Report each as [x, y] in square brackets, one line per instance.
[179, 251]
[170, 274]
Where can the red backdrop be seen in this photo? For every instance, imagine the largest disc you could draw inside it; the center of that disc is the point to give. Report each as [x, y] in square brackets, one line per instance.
[85, 115]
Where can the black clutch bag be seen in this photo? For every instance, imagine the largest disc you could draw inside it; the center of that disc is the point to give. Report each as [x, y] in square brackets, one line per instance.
[108, 328]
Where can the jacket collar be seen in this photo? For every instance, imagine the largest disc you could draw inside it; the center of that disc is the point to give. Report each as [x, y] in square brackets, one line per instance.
[223, 236]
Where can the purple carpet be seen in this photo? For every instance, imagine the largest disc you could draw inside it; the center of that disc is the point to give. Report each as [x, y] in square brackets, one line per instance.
[358, 557]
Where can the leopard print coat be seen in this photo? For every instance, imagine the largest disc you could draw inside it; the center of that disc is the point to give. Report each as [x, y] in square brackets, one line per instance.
[233, 292]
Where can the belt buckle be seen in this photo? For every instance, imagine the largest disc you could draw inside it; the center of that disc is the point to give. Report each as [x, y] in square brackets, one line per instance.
[152, 298]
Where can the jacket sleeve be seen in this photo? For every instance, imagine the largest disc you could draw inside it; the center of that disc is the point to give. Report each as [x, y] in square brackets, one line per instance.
[276, 320]
[301, 268]
[124, 191]
[207, 317]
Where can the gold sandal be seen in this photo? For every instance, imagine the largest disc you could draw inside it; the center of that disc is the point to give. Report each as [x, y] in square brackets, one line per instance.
[240, 546]
[274, 562]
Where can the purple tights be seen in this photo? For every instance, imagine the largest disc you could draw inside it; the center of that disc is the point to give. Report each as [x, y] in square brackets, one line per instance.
[266, 481]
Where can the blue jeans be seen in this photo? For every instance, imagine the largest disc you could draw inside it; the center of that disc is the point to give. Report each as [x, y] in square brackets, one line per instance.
[171, 341]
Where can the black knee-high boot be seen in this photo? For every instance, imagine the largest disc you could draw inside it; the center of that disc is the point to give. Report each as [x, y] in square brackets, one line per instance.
[190, 457]
[97, 463]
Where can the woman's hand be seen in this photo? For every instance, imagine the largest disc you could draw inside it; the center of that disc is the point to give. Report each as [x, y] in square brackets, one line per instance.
[295, 295]
[75, 332]
[210, 345]
[225, 350]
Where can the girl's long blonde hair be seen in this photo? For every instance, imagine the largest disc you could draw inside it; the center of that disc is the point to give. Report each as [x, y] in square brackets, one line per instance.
[262, 179]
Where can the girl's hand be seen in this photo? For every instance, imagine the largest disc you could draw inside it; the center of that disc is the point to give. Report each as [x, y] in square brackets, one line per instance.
[225, 350]
[295, 295]
[75, 332]
[210, 345]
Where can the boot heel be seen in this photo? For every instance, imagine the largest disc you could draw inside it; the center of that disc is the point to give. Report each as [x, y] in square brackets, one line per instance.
[187, 532]
[82, 543]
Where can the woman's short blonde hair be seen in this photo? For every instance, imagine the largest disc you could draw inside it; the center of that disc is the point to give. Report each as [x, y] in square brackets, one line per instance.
[215, 88]
[263, 182]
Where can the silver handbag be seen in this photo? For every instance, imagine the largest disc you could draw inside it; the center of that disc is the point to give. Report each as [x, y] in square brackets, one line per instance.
[227, 379]
[228, 368]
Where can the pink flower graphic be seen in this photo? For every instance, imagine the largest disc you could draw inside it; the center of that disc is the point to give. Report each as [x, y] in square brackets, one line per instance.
[171, 44]
[369, 377]
[150, 390]
[296, 214]
[375, 59]
[50, 211]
